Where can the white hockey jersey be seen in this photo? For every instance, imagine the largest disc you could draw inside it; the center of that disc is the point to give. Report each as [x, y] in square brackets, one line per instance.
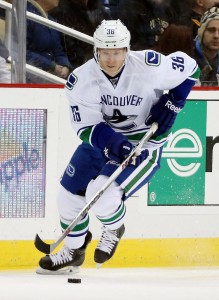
[125, 107]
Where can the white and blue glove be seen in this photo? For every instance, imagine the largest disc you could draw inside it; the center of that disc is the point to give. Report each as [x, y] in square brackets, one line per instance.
[114, 145]
[118, 148]
[164, 112]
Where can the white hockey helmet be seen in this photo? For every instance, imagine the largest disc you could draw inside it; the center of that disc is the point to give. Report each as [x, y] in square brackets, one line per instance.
[111, 34]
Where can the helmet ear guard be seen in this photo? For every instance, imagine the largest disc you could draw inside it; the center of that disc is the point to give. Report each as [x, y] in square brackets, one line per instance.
[111, 34]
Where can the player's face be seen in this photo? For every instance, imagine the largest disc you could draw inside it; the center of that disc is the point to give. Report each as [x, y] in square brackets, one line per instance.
[211, 36]
[111, 60]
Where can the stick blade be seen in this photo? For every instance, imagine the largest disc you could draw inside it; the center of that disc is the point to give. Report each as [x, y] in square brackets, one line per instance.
[41, 245]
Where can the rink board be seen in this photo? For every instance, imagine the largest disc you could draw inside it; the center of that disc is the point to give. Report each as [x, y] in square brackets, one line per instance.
[159, 232]
[130, 253]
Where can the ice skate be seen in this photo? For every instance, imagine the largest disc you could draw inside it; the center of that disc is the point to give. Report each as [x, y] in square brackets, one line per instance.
[107, 245]
[65, 261]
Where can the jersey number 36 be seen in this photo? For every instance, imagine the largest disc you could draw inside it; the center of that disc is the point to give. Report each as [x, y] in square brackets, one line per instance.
[178, 63]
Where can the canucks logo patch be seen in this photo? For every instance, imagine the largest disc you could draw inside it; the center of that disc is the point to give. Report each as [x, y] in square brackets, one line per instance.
[72, 80]
[152, 58]
[70, 170]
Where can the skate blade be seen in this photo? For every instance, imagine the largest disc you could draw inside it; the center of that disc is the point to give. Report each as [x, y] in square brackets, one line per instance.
[98, 266]
[63, 271]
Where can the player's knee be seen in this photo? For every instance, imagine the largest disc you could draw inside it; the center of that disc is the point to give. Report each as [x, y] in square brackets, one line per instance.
[109, 201]
[69, 205]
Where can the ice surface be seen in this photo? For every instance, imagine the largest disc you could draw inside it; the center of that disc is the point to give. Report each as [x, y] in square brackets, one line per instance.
[113, 284]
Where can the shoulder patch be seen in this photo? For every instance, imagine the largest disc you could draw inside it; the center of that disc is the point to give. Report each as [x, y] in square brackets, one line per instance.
[72, 79]
[152, 58]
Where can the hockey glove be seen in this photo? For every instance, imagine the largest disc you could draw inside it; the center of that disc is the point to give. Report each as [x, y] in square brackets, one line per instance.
[164, 112]
[115, 145]
[118, 147]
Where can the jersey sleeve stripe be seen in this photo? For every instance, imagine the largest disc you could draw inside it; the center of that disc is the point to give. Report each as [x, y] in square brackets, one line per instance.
[195, 74]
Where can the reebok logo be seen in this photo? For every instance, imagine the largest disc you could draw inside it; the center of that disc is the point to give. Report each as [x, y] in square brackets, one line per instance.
[172, 107]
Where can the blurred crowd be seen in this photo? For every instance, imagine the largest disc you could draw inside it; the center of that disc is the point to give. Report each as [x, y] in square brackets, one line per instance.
[191, 26]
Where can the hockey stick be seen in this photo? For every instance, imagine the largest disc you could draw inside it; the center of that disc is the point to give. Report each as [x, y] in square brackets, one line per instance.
[48, 248]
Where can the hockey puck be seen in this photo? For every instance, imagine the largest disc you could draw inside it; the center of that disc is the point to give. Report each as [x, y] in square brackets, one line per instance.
[74, 280]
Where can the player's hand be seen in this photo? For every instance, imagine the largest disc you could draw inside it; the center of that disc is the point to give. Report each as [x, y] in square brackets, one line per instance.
[58, 70]
[61, 71]
[118, 148]
[137, 160]
[164, 112]
[64, 72]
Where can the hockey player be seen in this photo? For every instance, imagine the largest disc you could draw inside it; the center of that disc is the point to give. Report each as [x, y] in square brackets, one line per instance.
[113, 100]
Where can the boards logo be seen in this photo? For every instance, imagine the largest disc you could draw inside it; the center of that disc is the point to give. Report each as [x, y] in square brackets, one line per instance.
[173, 151]
[181, 178]
[12, 169]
